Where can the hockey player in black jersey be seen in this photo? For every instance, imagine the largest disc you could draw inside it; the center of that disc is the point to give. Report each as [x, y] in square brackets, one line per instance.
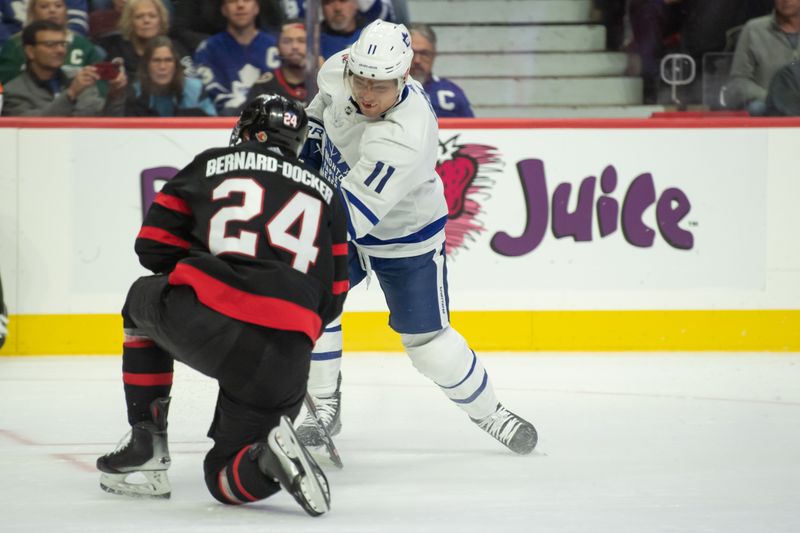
[248, 247]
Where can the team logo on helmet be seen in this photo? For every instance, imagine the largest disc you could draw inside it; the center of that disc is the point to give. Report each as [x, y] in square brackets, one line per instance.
[261, 136]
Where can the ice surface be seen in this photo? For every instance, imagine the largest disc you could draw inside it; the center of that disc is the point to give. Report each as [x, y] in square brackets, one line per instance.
[628, 443]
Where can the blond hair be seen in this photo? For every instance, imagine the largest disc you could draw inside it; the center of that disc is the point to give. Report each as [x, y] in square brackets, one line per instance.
[29, 17]
[126, 19]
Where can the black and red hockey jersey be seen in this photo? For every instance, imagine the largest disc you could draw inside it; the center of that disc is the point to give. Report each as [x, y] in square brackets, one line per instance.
[259, 237]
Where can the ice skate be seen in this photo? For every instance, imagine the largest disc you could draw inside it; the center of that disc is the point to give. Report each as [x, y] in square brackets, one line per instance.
[144, 451]
[328, 411]
[516, 433]
[284, 459]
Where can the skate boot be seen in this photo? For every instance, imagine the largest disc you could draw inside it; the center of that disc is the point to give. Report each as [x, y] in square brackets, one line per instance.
[143, 450]
[516, 433]
[328, 413]
[283, 458]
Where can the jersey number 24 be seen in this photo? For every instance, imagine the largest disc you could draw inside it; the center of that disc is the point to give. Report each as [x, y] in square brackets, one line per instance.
[301, 206]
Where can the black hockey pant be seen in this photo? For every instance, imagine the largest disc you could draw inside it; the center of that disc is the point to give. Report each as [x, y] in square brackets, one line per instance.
[262, 375]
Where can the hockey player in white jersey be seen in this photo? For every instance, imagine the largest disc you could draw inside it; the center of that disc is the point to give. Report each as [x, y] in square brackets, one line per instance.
[373, 130]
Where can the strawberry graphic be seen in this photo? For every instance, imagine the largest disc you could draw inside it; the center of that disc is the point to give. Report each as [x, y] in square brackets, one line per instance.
[465, 170]
[457, 175]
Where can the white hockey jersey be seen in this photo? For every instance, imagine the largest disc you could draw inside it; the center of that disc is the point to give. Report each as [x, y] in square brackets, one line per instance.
[386, 166]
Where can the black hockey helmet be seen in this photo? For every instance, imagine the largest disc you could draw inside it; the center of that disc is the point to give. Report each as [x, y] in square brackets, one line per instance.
[275, 120]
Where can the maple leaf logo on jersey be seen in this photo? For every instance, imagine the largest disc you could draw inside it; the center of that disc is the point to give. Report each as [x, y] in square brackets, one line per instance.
[465, 170]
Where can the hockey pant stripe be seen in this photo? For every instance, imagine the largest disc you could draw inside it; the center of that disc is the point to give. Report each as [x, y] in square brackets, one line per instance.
[240, 481]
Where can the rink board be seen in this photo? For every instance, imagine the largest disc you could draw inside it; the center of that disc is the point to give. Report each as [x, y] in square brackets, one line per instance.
[565, 234]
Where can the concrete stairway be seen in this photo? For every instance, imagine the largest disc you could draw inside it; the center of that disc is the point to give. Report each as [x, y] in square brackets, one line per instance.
[530, 58]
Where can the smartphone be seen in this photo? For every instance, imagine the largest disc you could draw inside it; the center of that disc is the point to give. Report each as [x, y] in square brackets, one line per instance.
[106, 70]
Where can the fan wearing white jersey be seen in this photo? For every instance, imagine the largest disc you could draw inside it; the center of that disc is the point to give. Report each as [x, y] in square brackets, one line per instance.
[372, 129]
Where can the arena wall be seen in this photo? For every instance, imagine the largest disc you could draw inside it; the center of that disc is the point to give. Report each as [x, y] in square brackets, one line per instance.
[610, 235]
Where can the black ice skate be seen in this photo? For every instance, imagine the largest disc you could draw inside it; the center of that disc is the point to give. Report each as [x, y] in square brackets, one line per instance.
[143, 450]
[328, 411]
[516, 433]
[284, 459]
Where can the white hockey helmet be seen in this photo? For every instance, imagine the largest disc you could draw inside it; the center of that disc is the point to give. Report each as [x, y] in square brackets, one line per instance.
[382, 52]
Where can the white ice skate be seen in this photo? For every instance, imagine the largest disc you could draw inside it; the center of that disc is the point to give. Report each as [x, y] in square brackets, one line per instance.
[284, 459]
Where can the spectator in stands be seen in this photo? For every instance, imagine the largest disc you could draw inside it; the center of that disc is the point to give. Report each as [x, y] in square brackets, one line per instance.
[341, 26]
[161, 89]
[231, 61]
[104, 21]
[612, 14]
[389, 10]
[765, 45]
[80, 51]
[653, 23]
[77, 22]
[9, 25]
[44, 89]
[196, 20]
[783, 96]
[289, 79]
[141, 21]
[447, 98]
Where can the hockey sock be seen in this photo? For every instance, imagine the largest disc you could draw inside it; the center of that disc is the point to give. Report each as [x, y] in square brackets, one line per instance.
[474, 393]
[146, 375]
[240, 480]
[445, 358]
[326, 361]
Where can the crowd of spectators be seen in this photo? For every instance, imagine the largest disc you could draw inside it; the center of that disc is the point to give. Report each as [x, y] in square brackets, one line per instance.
[165, 57]
[759, 36]
[227, 51]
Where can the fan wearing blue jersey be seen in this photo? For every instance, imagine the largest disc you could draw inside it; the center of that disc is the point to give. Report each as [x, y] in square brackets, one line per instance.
[374, 132]
[231, 61]
[447, 98]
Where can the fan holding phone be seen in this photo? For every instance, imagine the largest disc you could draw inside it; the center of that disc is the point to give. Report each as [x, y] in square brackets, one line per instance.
[111, 71]
[45, 89]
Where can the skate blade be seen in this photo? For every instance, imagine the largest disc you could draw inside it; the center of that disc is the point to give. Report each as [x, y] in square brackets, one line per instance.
[156, 485]
[306, 485]
[324, 456]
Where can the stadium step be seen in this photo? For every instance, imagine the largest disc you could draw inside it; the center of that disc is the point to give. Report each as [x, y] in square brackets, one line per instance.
[554, 111]
[552, 91]
[530, 58]
[439, 12]
[539, 64]
[525, 38]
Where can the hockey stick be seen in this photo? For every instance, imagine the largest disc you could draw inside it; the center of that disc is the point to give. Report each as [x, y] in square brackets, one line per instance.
[327, 440]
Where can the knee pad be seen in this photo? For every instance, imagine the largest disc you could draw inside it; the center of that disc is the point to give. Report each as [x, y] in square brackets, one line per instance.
[442, 356]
